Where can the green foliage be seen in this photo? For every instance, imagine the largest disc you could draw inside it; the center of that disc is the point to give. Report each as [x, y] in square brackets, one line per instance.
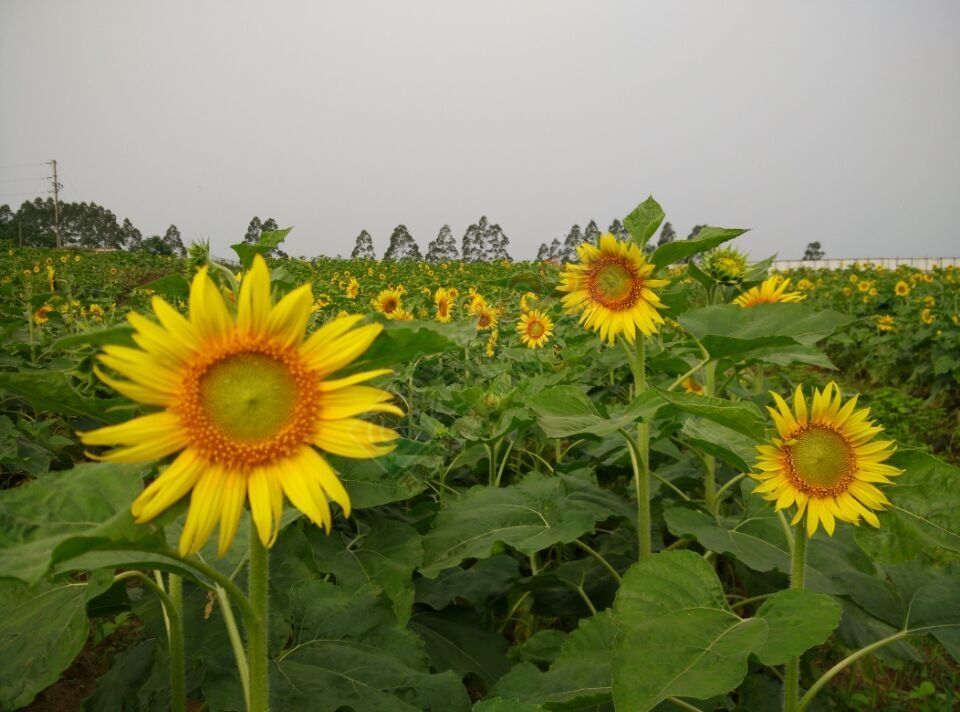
[490, 561]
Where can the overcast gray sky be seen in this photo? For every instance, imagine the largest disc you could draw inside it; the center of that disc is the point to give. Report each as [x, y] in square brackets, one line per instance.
[822, 120]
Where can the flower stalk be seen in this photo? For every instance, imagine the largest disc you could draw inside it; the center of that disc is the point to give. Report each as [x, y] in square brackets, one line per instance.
[258, 572]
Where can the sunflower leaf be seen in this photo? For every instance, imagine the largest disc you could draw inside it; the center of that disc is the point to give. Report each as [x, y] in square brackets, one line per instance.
[675, 625]
[44, 626]
[579, 678]
[530, 516]
[764, 328]
[798, 619]
[678, 250]
[643, 221]
[924, 511]
[90, 502]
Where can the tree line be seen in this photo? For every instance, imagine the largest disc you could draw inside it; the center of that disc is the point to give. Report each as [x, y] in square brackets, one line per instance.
[86, 225]
[92, 226]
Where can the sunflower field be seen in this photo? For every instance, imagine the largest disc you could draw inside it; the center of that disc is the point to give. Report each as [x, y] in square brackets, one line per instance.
[664, 479]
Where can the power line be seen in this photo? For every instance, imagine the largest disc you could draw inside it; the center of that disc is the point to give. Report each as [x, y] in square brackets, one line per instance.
[22, 180]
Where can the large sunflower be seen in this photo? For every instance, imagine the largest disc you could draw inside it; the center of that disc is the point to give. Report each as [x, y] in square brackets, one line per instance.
[770, 291]
[613, 288]
[243, 402]
[826, 461]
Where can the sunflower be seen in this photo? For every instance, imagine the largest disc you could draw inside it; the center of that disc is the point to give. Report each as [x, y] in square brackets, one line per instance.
[353, 288]
[902, 289]
[486, 316]
[42, 315]
[613, 288]
[885, 322]
[535, 329]
[444, 299]
[825, 461]
[243, 402]
[388, 301]
[771, 290]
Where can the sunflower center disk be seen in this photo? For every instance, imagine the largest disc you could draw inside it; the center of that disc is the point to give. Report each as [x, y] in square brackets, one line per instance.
[248, 408]
[821, 461]
[614, 285]
[535, 329]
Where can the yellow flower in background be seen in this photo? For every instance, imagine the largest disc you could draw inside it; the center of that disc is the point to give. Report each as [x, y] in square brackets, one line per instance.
[243, 401]
[885, 322]
[387, 302]
[96, 311]
[902, 289]
[826, 461]
[400, 314]
[692, 385]
[353, 288]
[42, 315]
[929, 302]
[864, 286]
[444, 298]
[492, 343]
[805, 285]
[535, 329]
[63, 259]
[486, 316]
[926, 316]
[770, 291]
[613, 289]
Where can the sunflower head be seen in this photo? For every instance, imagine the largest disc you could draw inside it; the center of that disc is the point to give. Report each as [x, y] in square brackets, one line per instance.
[825, 460]
[770, 291]
[534, 328]
[242, 401]
[388, 301]
[613, 290]
[725, 264]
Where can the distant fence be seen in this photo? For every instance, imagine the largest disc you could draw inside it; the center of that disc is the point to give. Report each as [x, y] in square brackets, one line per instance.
[924, 263]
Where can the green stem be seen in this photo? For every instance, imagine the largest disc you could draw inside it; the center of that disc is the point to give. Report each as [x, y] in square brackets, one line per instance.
[710, 476]
[258, 574]
[849, 660]
[641, 462]
[798, 565]
[236, 642]
[178, 669]
[600, 560]
[172, 607]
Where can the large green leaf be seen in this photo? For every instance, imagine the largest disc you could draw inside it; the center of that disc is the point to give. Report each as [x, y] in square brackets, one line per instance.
[924, 510]
[43, 628]
[269, 240]
[729, 330]
[384, 556]
[459, 640]
[403, 342]
[677, 635]
[743, 417]
[473, 586]
[90, 502]
[394, 477]
[797, 620]
[643, 221]
[53, 391]
[707, 239]
[530, 516]
[566, 411]
[578, 679]
[331, 675]
[349, 651]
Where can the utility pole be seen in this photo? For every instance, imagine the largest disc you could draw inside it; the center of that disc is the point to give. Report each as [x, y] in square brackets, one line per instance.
[56, 204]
